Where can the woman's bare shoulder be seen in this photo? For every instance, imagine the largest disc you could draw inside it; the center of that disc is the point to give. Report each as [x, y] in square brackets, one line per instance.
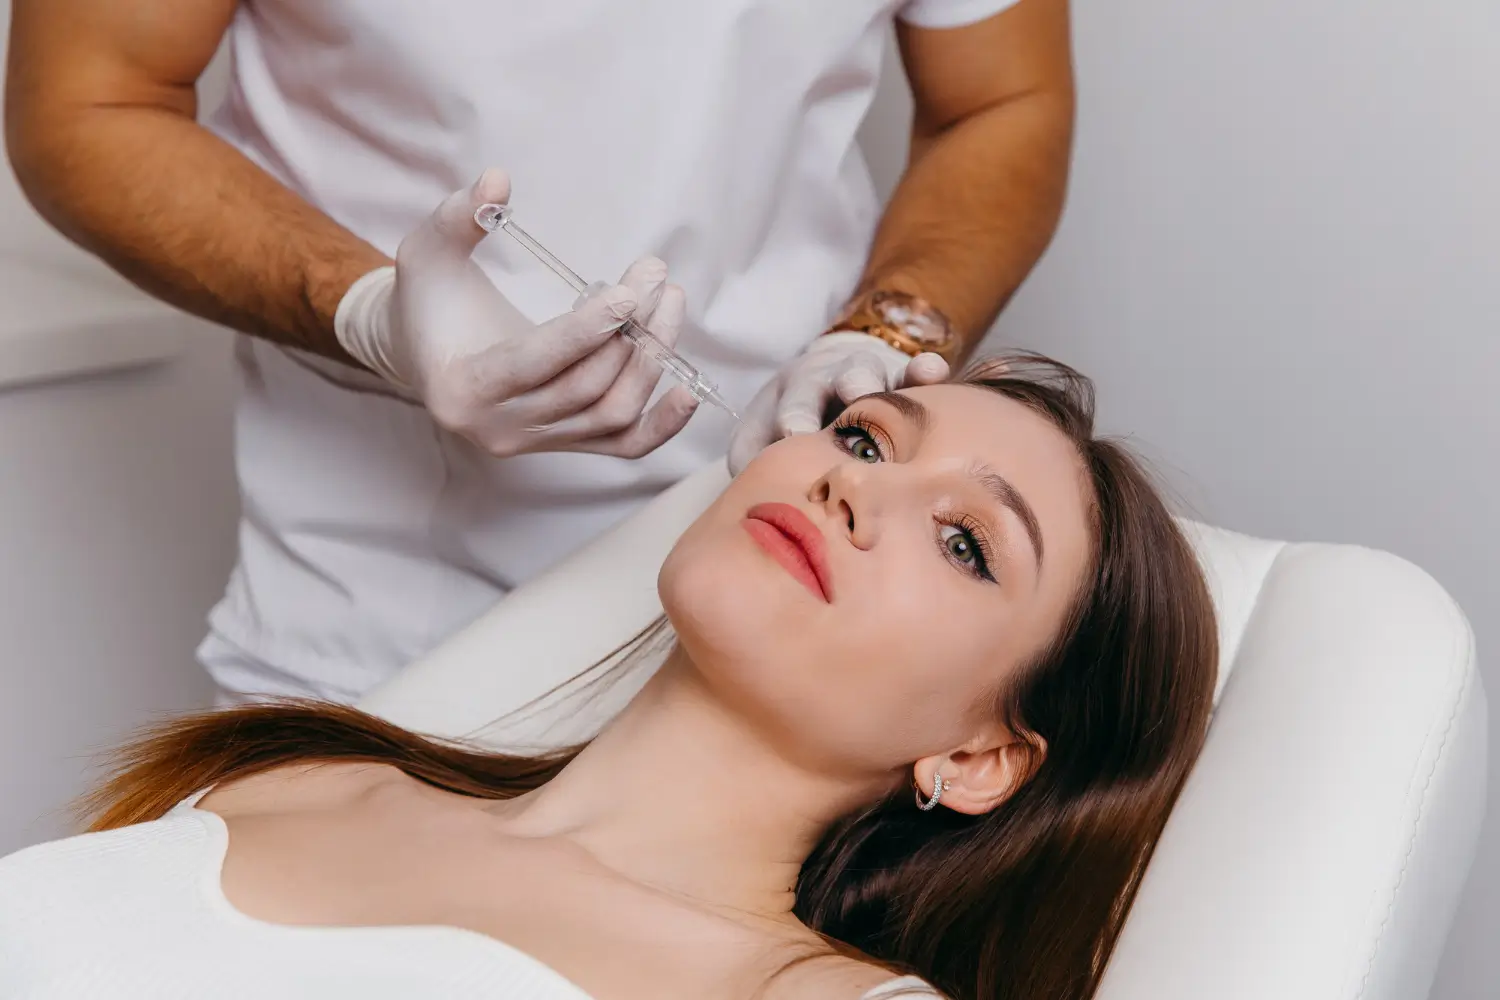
[301, 786]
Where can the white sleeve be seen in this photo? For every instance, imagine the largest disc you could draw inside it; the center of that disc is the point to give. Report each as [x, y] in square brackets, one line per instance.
[898, 989]
[949, 13]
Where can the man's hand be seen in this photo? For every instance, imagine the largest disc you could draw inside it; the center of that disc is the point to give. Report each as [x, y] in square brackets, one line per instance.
[836, 368]
[438, 329]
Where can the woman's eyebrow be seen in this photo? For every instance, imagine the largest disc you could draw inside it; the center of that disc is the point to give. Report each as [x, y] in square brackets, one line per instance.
[1008, 496]
[914, 412]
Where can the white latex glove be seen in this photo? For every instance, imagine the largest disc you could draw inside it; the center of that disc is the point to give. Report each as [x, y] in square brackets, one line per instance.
[439, 330]
[836, 366]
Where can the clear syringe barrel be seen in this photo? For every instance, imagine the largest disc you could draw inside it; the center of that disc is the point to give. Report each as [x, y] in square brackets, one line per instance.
[674, 363]
[497, 218]
[646, 341]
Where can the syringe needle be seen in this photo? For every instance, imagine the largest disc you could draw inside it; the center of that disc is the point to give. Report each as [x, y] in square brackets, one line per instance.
[498, 218]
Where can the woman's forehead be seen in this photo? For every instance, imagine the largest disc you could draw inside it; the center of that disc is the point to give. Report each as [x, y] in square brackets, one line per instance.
[978, 418]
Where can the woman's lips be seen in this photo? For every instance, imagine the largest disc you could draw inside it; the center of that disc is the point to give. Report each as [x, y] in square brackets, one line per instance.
[791, 538]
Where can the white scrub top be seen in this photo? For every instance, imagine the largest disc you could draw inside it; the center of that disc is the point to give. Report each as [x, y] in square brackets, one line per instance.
[718, 135]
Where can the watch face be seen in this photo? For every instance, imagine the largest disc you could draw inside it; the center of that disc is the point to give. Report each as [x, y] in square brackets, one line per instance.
[912, 317]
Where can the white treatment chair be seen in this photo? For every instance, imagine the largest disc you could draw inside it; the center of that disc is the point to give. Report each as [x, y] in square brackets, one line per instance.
[1320, 846]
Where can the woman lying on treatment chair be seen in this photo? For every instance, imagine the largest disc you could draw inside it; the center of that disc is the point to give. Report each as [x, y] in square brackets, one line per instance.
[940, 672]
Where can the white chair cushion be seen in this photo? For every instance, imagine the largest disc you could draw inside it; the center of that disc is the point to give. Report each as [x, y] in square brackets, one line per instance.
[1318, 849]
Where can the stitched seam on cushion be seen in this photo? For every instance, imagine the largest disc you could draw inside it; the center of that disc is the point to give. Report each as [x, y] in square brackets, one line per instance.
[1423, 800]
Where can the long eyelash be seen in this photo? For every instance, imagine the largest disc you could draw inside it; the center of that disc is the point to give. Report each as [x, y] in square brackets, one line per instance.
[983, 549]
[852, 424]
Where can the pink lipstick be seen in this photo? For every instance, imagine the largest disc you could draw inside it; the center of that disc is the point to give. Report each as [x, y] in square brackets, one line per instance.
[793, 540]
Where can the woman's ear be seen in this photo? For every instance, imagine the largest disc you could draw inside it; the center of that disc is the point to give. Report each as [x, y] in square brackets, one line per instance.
[982, 774]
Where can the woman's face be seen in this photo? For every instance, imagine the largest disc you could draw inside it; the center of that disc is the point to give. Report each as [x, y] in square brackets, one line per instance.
[863, 592]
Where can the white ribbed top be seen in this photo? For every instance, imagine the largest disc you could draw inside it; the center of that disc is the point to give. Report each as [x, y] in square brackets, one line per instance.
[139, 913]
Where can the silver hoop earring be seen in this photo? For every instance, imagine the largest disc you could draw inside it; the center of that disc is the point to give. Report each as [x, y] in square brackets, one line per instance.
[939, 786]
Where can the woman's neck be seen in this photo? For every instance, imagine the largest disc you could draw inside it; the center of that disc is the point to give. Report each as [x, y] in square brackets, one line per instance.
[681, 794]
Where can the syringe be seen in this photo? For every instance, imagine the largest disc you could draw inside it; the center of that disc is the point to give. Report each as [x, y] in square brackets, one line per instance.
[499, 218]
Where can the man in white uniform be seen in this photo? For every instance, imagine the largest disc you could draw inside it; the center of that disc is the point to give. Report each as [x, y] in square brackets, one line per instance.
[411, 442]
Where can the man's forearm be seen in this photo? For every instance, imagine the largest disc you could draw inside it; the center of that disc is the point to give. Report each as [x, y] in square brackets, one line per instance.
[978, 204]
[189, 219]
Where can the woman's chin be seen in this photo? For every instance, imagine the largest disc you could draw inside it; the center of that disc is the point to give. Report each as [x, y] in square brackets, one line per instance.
[726, 610]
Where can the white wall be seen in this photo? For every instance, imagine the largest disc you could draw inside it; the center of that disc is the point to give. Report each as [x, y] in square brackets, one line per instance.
[116, 524]
[1280, 261]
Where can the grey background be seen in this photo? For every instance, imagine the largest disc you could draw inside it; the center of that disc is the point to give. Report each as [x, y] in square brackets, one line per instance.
[1277, 260]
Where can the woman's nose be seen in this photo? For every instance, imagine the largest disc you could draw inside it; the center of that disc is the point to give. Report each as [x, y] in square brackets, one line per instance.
[851, 495]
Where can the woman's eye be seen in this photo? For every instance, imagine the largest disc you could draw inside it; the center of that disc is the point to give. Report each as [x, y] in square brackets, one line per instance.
[960, 545]
[964, 547]
[860, 444]
[865, 450]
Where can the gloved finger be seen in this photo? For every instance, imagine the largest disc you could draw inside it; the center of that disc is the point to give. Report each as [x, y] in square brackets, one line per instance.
[621, 406]
[647, 278]
[554, 346]
[586, 383]
[451, 232]
[861, 374]
[578, 387]
[656, 427]
[804, 397]
[926, 369]
[757, 429]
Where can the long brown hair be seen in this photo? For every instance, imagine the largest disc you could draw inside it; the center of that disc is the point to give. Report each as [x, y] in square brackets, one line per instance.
[1026, 901]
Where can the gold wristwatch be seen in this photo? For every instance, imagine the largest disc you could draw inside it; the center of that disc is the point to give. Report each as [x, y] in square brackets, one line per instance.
[906, 322]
